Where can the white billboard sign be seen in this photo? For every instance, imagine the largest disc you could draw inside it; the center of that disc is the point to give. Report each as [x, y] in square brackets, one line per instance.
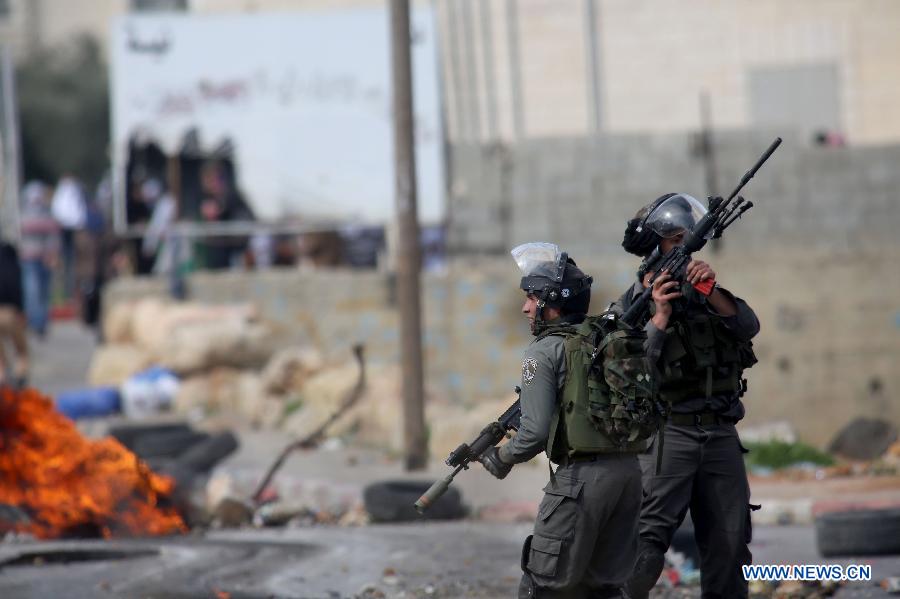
[304, 98]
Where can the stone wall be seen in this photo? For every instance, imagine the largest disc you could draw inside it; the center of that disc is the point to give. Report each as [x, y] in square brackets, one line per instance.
[828, 349]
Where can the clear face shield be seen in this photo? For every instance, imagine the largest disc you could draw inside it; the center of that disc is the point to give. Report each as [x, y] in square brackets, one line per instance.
[539, 260]
[676, 215]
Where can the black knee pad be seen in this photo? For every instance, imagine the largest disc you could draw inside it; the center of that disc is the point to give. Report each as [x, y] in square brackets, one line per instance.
[649, 566]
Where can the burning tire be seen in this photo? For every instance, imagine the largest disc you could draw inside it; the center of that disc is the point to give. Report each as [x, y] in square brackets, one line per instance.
[393, 501]
[859, 532]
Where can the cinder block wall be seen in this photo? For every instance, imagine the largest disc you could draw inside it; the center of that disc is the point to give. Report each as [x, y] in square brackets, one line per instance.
[817, 259]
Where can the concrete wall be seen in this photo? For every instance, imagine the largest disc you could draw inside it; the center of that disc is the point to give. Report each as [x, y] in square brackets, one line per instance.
[829, 346]
[816, 258]
[580, 191]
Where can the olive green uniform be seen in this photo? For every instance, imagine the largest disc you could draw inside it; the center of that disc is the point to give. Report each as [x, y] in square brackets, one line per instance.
[585, 535]
[702, 466]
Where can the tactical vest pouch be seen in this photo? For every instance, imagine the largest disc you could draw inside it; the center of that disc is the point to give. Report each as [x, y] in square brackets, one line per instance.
[701, 357]
[630, 386]
[609, 402]
[703, 341]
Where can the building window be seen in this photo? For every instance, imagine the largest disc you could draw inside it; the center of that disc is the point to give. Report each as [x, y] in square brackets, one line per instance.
[158, 5]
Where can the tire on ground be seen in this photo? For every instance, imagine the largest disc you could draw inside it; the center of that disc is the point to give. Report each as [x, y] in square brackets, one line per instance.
[203, 456]
[393, 501]
[129, 434]
[169, 444]
[859, 532]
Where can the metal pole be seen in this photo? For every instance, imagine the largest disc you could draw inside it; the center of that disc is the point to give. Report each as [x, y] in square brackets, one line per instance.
[515, 70]
[595, 111]
[708, 153]
[474, 105]
[408, 258]
[490, 85]
[11, 173]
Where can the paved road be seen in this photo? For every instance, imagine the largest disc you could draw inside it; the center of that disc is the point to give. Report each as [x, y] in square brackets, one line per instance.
[441, 560]
[462, 559]
[61, 360]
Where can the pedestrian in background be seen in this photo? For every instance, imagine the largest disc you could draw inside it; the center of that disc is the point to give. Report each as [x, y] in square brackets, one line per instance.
[39, 253]
[13, 327]
[69, 208]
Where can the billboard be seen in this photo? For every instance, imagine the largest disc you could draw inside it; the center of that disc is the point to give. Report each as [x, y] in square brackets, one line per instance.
[301, 101]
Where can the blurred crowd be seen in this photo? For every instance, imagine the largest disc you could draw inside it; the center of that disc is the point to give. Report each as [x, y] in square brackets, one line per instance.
[67, 249]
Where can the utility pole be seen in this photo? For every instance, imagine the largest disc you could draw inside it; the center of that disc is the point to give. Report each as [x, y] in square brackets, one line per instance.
[408, 252]
[708, 154]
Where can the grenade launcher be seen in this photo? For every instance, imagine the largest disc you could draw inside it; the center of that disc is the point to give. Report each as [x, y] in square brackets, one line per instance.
[460, 457]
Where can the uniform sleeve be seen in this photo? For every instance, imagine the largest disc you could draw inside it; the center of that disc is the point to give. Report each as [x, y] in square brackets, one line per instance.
[619, 306]
[744, 324]
[540, 386]
[653, 346]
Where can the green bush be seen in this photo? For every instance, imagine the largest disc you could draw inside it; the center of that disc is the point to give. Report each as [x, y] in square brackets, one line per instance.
[778, 454]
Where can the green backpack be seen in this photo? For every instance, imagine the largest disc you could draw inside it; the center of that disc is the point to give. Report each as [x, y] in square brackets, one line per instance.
[609, 401]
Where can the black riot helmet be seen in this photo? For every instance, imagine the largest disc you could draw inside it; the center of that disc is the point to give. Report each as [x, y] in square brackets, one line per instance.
[666, 216]
[553, 277]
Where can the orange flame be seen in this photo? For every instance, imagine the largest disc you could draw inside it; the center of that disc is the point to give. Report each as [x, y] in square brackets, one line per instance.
[67, 483]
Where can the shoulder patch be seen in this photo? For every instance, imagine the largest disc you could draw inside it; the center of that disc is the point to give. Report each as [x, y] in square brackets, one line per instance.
[529, 370]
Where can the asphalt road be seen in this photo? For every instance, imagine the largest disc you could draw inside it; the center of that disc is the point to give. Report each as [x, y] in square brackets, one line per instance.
[439, 560]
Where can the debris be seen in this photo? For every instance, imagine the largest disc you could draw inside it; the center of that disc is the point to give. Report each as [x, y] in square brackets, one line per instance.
[370, 591]
[149, 392]
[864, 439]
[355, 516]
[288, 369]
[89, 403]
[891, 585]
[232, 512]
[113, 363]
[279, 513]
[315, 437]
[509, 511]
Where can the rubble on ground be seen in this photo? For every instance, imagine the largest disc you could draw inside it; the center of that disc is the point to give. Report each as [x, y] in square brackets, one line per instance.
[864, 439]
[226, 364]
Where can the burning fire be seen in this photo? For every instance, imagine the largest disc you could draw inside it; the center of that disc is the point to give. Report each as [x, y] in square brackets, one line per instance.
[68, 484]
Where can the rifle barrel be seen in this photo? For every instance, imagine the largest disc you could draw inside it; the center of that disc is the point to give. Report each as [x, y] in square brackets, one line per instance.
[749, 174]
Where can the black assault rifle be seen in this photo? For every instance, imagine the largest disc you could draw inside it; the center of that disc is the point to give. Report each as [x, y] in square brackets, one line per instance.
[721, 214]
[467, 452]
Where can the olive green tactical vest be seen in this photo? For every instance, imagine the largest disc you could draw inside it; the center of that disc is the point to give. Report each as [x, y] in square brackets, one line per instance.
[702, 358]
[608, 403]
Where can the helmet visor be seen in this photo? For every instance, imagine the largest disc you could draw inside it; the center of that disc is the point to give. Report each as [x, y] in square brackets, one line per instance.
[676, 215]
[537, 259]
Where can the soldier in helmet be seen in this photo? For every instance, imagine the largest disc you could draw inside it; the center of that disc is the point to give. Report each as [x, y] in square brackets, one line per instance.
[585, 536]
[706, 333]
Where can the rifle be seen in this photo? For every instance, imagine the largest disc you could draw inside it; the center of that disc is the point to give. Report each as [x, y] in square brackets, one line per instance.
[721, 214]
[460, 457]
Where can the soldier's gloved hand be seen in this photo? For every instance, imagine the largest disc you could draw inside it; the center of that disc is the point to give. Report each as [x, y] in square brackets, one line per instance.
[491, 461]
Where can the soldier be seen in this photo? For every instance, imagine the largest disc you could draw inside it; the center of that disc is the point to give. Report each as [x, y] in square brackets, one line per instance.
[706, 346]
[585, 536]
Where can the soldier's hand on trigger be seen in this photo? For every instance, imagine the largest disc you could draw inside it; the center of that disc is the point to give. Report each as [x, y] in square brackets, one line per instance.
[491, 461]
[664, 291]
